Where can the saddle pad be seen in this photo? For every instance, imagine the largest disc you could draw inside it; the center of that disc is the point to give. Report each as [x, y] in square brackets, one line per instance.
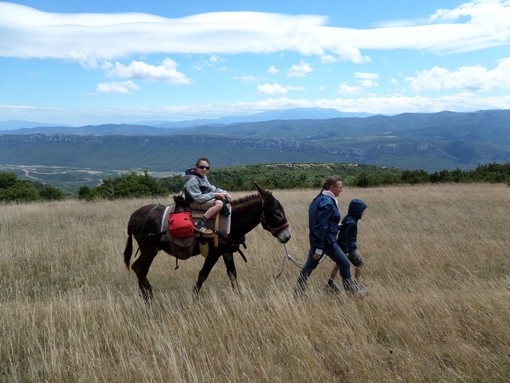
[219, 223]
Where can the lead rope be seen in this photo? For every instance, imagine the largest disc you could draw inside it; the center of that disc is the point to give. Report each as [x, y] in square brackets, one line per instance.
[293, 260]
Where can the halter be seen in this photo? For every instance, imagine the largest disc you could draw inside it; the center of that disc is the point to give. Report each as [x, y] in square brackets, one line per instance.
[273, 230]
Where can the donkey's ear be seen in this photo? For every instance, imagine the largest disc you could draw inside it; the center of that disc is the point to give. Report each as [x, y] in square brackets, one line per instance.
[263, 193]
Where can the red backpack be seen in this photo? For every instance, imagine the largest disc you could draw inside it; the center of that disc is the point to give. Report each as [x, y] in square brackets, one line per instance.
[181, 224]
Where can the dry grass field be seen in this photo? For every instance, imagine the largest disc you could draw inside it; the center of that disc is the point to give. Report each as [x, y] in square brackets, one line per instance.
[438, 273]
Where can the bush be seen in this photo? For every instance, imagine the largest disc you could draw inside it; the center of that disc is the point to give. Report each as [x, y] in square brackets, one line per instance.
[14, 190]
[414, 177]
[129, 185]
[51, 193]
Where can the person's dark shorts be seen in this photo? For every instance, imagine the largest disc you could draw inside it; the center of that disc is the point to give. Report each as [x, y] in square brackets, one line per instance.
[355, 258]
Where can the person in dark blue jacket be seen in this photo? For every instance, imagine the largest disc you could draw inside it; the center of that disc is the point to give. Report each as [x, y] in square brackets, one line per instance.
[348, 241]
[324, 217]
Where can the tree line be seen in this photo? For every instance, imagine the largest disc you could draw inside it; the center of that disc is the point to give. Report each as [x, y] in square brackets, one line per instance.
[13, 189]
[241, 178]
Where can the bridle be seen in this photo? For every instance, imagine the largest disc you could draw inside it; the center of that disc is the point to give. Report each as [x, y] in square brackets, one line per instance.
[273, 230]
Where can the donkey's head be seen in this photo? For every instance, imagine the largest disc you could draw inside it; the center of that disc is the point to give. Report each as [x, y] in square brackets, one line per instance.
[273, 217]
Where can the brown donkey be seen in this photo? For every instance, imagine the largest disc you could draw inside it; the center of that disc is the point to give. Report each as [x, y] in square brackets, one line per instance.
[247, 213]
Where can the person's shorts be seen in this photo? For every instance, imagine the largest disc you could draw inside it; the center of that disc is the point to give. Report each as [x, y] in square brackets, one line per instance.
[355, 258]
[204, 205]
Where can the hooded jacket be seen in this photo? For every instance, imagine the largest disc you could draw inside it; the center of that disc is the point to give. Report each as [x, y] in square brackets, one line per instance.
[198, 187]
[348, 234]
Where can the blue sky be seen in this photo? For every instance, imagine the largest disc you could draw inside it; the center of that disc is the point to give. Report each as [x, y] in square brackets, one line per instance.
[108, 61]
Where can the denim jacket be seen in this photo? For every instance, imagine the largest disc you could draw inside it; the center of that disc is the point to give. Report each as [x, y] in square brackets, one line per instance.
[323, 219]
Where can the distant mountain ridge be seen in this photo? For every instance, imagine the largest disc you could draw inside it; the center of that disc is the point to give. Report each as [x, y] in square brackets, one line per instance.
[284, 114]
[12, 125]
[430, 141]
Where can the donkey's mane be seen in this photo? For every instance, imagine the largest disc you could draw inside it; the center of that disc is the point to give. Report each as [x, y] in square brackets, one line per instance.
[245, 200]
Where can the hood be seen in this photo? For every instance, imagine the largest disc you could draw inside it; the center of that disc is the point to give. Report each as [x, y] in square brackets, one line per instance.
[189, 173]
[356, 207]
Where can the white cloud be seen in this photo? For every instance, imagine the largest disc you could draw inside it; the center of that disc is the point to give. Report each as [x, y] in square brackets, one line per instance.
[245, 78]
[209, 63]
[167, 71]
[299, 70]
[369, 83]
[116, 87]
[273, 70]
[345, 52]
[469, 78]
[367, 80]
[90, 38]
[350, 89]
[463, 101]
[276, 89]
[490, 15]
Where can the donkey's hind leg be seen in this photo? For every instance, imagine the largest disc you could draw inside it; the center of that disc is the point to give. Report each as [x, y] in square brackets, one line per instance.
[228, 258]
[141, 268]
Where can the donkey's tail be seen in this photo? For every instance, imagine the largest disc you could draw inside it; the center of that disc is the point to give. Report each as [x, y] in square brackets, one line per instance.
[128, 251]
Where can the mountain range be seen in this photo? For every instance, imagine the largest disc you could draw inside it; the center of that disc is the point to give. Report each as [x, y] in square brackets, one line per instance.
[429, 141]
[25, 127]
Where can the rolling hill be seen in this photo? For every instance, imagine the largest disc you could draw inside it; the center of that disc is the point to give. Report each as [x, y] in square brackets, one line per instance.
[429, 141]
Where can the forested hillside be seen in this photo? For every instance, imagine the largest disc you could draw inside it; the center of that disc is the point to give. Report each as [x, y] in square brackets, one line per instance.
[431, 141]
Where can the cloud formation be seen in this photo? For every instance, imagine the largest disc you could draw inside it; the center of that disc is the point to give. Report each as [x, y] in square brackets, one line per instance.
[299, 70]
[88, 38]
[167, 71]
[469, 78]
[116, 87]
[276, 89]
[406, 65]
[380, 105]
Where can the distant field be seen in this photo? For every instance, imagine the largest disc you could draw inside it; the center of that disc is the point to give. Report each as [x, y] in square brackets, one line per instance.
[67, 178]
[438, 272]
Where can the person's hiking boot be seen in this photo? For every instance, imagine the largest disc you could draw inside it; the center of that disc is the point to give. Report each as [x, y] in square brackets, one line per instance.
[352, 288]
[200, 227]
[332, 287]
[362, 291]
[300, 289]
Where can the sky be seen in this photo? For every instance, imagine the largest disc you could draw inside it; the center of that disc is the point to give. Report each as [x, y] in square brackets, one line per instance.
[107, 61]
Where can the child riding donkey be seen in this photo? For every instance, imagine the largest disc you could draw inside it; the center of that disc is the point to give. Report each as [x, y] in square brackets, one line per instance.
[203, 194]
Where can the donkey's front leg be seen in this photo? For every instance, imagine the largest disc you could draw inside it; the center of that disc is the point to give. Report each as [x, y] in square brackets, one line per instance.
[228, 258]
[209, 263]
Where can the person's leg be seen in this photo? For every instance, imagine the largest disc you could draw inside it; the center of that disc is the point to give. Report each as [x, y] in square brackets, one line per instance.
[344, 265]
[218, 204]
[357, 273]
[357, 261]
[334, 272]
[212, 207]
[331, 286]
[341, 260]
[307, 269]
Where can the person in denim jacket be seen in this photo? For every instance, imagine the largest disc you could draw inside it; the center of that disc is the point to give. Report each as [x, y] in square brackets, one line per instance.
[324, 217]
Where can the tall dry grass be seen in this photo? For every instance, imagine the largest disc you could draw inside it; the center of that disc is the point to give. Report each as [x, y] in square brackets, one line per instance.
[438, 310]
